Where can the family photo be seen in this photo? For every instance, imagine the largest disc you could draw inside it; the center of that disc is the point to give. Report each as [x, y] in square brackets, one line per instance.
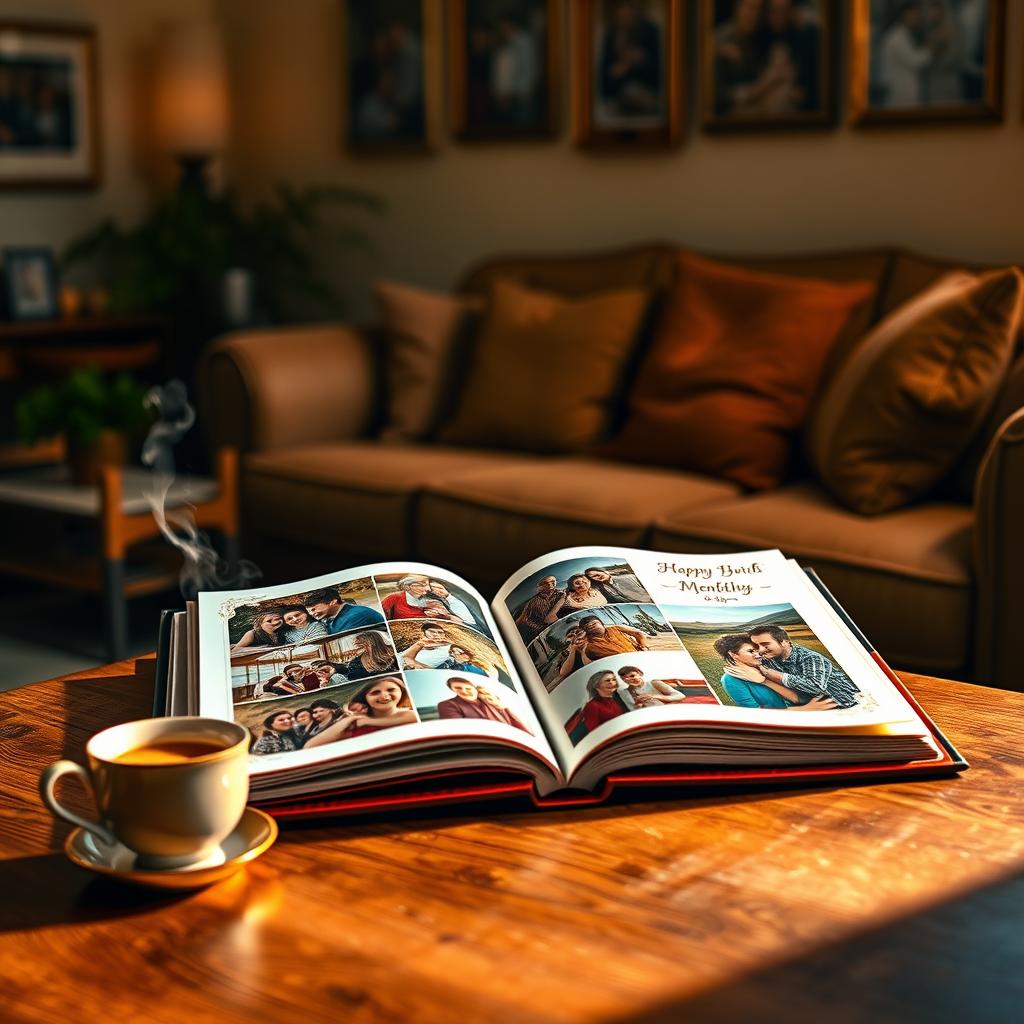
[932, 55]
[442, 695]
[386, 77]
[764, 657]
[415, 596]
[450, 647]
[259, 674]
[767, 62]
[629, 683]
[306, 616]
[576, 584]
[586, 637]
[502, 56]
[312, 720]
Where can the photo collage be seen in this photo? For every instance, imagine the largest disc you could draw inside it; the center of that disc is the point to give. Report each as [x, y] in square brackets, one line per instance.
[351, 659]
[604, 648]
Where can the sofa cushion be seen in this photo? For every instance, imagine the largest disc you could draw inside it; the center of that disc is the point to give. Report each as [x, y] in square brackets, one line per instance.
[489, 522]
[544, 368]
[904, 577]
[909, 400]
[357, 497]
[424, 335]
[736, 358]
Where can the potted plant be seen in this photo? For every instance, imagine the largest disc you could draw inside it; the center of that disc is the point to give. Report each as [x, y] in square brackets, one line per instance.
[97, 415]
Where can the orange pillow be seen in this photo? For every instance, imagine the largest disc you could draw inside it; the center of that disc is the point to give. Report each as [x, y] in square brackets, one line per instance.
[736, 358]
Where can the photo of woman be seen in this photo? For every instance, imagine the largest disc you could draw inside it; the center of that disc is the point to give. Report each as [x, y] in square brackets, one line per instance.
[604, 702]
[264, 632]
[278, 735]
[372, 656]
[579, 593]
[299, 625]
[378, 705]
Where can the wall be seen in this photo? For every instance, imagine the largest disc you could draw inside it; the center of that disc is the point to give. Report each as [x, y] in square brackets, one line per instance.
[125, 31]
[946, 190]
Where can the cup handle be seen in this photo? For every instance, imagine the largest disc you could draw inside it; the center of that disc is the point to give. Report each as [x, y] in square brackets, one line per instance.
[47, 785]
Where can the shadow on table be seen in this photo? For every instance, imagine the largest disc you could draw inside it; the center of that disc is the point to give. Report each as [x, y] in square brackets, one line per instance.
[957, 961]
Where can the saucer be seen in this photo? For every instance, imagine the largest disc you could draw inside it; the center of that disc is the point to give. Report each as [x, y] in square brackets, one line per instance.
[253, 835]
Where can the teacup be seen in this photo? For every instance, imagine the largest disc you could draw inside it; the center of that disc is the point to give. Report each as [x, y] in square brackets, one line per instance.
[170, 789]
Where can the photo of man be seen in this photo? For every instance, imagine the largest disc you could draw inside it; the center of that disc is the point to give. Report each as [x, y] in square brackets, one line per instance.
[447, 696]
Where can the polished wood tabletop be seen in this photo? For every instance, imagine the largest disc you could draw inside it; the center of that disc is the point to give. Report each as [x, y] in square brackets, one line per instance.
[899, 901]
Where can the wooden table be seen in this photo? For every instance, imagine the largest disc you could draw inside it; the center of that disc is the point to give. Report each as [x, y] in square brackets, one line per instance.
[902, 901]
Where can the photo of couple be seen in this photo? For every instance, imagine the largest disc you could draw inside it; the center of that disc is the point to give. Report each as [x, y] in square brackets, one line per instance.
[305, 617]
[558, 590]
[626, 684]
[445, 646]
[308, 721]
[445, 696]
[764, 657]
[415, 596]
[260, 674]
[586, 637]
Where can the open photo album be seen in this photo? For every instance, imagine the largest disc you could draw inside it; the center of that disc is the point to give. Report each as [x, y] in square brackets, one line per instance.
[591, 668]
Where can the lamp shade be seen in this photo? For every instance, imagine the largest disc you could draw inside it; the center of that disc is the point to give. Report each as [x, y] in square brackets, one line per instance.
[191, 96]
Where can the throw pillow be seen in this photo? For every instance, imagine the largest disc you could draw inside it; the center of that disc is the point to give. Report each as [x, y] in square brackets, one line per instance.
[423, 331]
[545, 368]
[735, 361]
[907, 403]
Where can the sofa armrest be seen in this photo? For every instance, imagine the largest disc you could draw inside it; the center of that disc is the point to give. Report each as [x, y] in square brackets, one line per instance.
[267, 389]
[999, 557]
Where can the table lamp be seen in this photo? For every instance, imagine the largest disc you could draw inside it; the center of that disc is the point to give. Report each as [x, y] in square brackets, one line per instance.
[191, 97]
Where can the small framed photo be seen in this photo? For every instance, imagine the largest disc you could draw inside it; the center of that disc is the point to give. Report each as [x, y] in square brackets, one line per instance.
[627, 87]
[767, 64]
[391, 98]
[926, 60]
[505, 61]
[30, 284]
[49, 122]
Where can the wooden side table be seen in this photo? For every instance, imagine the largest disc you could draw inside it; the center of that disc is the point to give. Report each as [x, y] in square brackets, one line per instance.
[125, 526]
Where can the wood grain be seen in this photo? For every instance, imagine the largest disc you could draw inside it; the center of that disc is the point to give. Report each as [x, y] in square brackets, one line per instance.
[698, 907]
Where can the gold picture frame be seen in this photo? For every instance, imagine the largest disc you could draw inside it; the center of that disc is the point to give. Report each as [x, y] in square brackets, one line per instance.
[610, 113]
[519, 112]
[979, 100]
[766, 86]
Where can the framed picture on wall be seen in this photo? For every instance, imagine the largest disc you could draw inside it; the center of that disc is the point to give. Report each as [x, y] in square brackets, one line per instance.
[505, 64]
[391, 99]
[30, 284]
[767, 64]
[627, 72]
[49, 122]
[926, 60]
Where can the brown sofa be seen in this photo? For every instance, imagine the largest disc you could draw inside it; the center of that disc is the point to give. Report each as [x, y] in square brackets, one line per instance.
[933, 585]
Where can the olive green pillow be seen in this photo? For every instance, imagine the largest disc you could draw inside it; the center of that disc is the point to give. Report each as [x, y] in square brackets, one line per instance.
[545, 369]
[906, 404]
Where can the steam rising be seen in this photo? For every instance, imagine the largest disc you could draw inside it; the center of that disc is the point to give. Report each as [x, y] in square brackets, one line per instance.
[203, 568]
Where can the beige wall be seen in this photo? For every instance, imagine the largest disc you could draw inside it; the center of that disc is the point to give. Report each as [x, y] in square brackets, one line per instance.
[126, 30]
[955, 190]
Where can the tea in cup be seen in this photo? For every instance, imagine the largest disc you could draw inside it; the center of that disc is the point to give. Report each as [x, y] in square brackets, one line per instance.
[170, 789]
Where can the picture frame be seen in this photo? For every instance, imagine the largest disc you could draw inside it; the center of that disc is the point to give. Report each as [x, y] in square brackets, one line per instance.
[628, 90]
[767, 67]
[391, 95]
[963, 80]
[505, 65]
[30, 283]
[49, 106]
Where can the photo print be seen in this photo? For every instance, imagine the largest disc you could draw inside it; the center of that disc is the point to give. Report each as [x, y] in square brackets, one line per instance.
[927, 60]
[306, 616]
[767, 63]
[586, 637]
[576, 584]
[414, 595]
[310, 720]
[628, 73]
[629, 683]
[764, 656]
[448, 646]
[443, 695]
[260, 674]
[504, 62]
